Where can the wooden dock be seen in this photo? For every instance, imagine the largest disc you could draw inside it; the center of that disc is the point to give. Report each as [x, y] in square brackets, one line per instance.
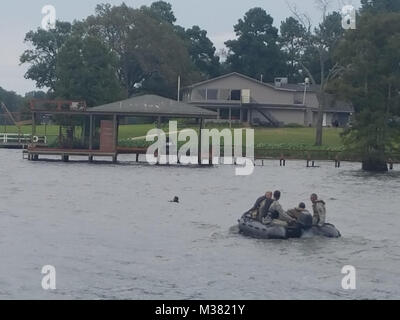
[36, 153]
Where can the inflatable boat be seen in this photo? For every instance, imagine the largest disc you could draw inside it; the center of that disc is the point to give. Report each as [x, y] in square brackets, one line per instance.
[327, 230]
[256, 229]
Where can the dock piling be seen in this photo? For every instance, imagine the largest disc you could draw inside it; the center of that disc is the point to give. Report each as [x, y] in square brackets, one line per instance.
[390, 162]
[282, 161]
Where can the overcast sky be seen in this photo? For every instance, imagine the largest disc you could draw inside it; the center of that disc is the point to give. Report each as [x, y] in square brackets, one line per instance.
[17, 17]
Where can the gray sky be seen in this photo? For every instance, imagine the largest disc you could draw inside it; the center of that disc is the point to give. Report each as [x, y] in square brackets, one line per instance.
[17, 17]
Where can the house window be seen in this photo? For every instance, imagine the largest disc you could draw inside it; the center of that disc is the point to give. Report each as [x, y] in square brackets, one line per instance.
[212, 94]
[236, 95]
[224, 94]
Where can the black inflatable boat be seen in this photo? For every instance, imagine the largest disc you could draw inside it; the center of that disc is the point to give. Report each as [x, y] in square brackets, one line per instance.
[256, 229]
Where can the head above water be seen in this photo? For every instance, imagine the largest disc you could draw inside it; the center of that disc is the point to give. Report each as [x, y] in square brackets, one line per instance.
[268, 194]
[314, 197]
[277, 195]
[175, 200]
[302, 205]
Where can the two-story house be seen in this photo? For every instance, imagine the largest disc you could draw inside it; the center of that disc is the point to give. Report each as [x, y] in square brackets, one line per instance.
[238, 98]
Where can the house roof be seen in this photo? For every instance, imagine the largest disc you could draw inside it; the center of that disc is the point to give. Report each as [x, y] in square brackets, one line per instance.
[269, 85]
[153, 105]
[291, 87]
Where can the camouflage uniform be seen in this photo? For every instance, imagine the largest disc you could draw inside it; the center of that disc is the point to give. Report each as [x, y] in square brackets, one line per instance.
[319, 210]
[283, 218]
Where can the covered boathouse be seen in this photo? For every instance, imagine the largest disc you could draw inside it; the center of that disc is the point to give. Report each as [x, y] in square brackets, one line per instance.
[99, 126]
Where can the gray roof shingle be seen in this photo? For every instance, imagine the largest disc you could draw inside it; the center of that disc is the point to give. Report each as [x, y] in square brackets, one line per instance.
[153, 105]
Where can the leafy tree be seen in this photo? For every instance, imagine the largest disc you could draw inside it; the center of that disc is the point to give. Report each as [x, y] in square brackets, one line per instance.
[202, 52]
[255, 52]
[161, 10]
[42, 58]
[316, 59]
[375, 6]
[86, 70]
[150, 55]
[199, 46]
[36, 95]
[292, 37]
[12, 100]
[372, 82]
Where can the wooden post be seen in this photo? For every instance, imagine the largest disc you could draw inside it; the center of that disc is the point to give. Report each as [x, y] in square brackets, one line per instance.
[115, 133]
[115, 125]
[200, 142]
[390, 161]
[282, 161]
[91, 134]
[230, 117]
[159, 123]
[337, 161]
[33, 124]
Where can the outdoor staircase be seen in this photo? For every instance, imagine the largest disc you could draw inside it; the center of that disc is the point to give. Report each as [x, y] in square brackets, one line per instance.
[270, 118]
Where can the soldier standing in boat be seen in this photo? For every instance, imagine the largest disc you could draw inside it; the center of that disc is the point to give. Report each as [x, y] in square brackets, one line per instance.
[319, 210]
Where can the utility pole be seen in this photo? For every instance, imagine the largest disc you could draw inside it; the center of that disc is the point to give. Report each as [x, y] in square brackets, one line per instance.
[179, 88]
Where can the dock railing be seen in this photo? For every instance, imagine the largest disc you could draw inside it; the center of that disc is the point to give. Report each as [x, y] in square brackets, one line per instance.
[21, 139]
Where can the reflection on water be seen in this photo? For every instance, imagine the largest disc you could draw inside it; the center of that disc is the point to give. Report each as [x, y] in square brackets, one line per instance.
[111, 233]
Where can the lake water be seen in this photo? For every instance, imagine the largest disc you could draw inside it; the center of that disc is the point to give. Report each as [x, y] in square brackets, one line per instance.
[112, 234]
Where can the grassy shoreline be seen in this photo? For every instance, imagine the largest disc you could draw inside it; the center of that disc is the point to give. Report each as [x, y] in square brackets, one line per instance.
[270, 143]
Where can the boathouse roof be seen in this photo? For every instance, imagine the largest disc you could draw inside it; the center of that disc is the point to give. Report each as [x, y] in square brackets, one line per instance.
[153, 105]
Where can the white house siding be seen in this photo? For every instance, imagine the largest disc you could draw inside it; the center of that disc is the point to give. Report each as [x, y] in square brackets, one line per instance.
[281, 103]
[259, 93]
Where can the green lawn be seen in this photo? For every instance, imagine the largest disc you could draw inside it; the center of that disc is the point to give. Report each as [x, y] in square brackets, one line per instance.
[303, 136]
[271, 137]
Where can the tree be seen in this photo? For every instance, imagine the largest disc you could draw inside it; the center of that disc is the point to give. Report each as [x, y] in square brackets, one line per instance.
[372, 83]
[161, 10]
[12, 100]
[316, 58]
[375, 6]
[42, 58]
[202, 52]
[199, 46]
[292, 37]
[36, 95]
[256, 51]
[150, 54]
[86, 70]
